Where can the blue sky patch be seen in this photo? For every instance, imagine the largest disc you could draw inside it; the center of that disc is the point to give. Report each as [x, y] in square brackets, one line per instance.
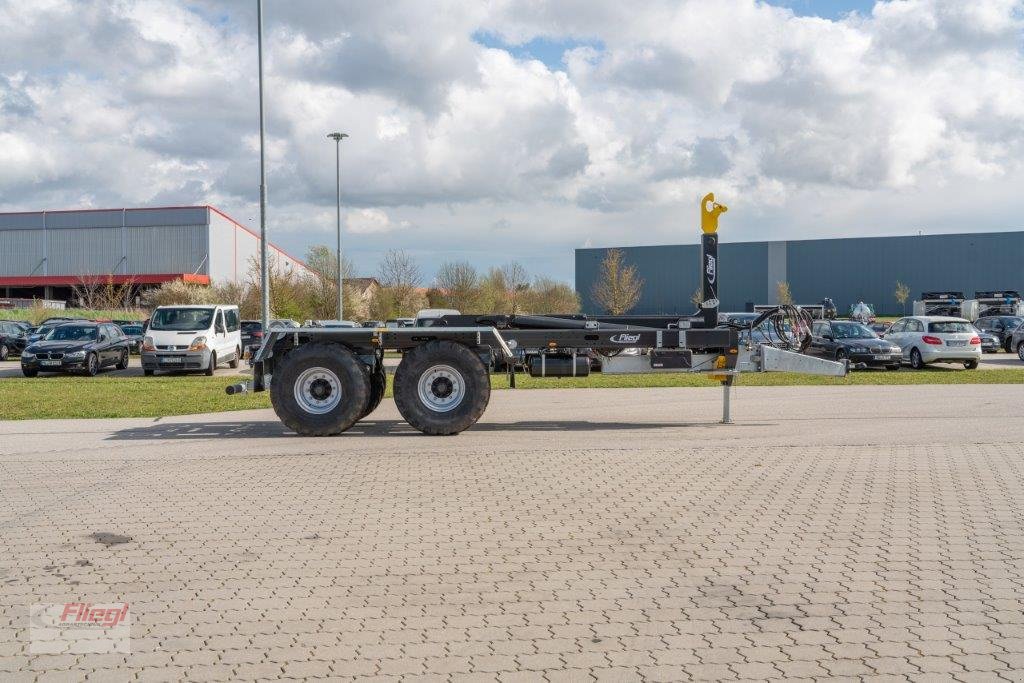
[826, 9]
[546, 50]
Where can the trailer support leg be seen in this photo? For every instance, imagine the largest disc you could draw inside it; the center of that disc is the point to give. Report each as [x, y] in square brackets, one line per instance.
[726, 386]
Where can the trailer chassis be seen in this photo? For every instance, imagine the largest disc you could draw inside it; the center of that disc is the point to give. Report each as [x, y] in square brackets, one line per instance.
[324, 380]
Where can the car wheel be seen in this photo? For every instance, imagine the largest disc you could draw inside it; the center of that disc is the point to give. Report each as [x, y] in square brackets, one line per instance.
[4, 352]
[1020, 350]
[147, 373]
[893, 367]
[916, 361]
[840, 355]
[92, 365]
[233, 363]
[122, 363]
[213, 364]
[1007, 345]
[29, 373]
[971, 365]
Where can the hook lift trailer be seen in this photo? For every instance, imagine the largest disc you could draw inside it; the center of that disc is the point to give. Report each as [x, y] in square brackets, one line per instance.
[324, 380]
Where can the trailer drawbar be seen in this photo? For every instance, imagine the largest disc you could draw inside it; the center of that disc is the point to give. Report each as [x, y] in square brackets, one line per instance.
[324, 380]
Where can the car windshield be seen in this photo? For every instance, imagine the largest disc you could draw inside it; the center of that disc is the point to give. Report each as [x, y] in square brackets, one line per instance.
[182, 319]
[950, 326]
[852, 331]
[73, 333]
[1011, 323]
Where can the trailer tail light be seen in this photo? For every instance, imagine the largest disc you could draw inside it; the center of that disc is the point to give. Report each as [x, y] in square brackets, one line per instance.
[935, 341]
[975, 341]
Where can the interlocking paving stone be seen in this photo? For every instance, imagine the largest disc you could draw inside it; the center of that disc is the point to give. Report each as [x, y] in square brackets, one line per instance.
[832, 533]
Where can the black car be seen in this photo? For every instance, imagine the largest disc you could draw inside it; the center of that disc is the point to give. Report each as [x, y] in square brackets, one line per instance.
[989, 342]
[839, 339]
[77, 347]
[12, 339]
[1001, 326]
[134, 334]
[252, 334]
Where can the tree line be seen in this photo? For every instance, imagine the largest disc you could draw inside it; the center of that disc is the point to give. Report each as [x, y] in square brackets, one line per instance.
[401, 290]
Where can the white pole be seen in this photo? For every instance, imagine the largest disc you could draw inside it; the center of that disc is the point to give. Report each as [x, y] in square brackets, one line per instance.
[264, 267]
[337, 137]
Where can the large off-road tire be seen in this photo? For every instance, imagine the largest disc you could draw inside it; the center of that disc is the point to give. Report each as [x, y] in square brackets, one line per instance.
[441, 387]
[320, 389]
[378, 385]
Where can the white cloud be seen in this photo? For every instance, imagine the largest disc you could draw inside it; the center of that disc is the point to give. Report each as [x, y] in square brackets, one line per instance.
[877, 116]
[368, 222]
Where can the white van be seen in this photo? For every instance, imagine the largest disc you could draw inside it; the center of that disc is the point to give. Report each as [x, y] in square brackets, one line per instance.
[196, 337]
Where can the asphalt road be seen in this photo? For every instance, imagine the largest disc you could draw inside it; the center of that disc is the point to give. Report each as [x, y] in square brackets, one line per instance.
[571, 535]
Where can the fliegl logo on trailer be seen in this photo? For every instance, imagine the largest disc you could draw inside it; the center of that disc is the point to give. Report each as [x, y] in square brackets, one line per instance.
[624, 338]
[710, 269]
[80, 627]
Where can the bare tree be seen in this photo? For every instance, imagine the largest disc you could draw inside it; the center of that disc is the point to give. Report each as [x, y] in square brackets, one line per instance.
[617, 289]
[458, 285]
[782, 293]
[516, 284]
[697, 298]
[323, 261]
[902, 293]
[399, 276]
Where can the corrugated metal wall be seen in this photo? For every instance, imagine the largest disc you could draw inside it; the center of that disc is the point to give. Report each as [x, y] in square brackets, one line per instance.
[133, 241]
[847, 270]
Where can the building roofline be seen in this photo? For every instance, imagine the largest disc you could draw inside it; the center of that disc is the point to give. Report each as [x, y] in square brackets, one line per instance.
[208, 207]
[807, 239]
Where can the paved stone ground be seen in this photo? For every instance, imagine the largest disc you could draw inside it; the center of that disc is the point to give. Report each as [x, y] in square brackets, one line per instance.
[849, 532]
[12, 368]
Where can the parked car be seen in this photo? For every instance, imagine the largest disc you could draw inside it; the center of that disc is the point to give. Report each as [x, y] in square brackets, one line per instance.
[58, 319]
[77, 347]
[849, 339]
[330, 323]
[38, 333]
[134, 334]
[936, 339]
[1002, 326]
[284, 322]
[12, 339]
[989, 342]
[252, 334]
[1017, 342]
[194, 337]
[373, 323]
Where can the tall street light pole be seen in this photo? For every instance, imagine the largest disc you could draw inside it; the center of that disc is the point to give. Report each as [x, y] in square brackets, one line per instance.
[337, 137]
[264, 267]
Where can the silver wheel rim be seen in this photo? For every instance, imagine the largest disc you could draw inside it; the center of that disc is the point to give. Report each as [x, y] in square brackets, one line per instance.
[442, 388]
[93, 364]
[317, 390]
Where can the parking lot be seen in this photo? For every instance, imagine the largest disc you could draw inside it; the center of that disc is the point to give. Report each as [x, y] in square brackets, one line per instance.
[570, 535]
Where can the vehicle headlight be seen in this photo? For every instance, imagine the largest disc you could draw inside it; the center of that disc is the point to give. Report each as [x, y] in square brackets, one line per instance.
[27, 355]
[198, 344]
[147, 344]
[75, 355]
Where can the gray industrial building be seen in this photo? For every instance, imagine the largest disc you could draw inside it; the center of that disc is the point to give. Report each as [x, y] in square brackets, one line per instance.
[846, 270]
[46, 253]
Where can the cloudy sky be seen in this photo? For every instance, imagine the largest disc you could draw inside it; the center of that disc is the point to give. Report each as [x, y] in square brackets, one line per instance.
[522, 129]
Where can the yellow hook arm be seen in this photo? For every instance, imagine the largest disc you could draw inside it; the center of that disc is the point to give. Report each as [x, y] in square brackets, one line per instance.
[709, 211]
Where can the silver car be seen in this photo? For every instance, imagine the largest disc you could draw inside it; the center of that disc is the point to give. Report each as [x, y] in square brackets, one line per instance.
[927, 339]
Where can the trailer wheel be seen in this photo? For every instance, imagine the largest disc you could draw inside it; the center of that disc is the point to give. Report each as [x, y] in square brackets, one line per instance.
[378, 384]
[320, 389]
[441, 388]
